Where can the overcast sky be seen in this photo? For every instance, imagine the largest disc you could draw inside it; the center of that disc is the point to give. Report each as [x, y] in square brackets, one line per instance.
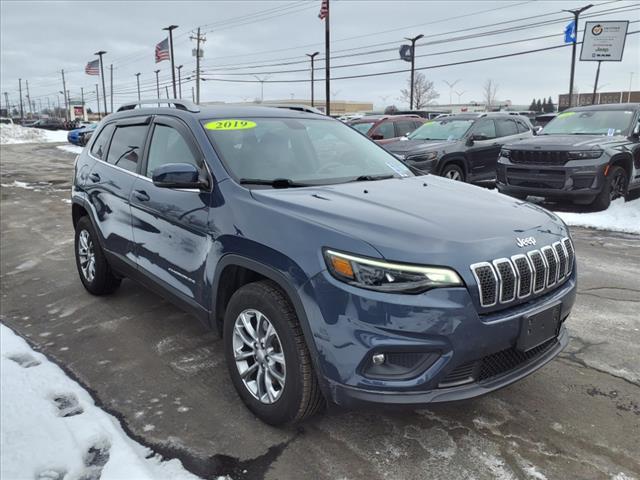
[38, 39]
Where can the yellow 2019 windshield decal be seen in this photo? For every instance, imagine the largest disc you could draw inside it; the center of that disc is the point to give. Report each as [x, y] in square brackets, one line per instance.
[566, 114]
[230, 124]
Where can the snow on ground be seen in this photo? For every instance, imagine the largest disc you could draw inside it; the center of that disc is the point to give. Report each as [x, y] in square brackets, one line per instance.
[51, 428]
[19, 134]
[621, 216]
[71, 148]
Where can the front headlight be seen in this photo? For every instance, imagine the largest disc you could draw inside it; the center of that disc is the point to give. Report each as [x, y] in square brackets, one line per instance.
[384, 276]
[584, 154]
[423, 157]
[505, 152]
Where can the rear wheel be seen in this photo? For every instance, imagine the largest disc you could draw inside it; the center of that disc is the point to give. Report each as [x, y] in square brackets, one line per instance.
[267, 356]
[615, 186]
[453, 171]
[94, 270]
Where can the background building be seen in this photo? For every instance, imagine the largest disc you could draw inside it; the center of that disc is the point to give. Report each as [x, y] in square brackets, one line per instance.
[601, 98]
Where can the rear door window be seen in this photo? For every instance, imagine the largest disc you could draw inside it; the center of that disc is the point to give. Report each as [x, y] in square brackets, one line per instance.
[486, 128]
[99, 147]
[385, 129]
[506, 127]
[405, 126]
[126, 146]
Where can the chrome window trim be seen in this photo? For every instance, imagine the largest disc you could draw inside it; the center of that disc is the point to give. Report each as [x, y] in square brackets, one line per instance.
[549, 283]
[473, 271]
[535, 274]
[531, 273]
[500, 261]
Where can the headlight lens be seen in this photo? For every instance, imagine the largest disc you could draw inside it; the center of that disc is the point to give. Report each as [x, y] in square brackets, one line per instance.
[505, 152]
[423, 157]
[584, 154]
[384, 276]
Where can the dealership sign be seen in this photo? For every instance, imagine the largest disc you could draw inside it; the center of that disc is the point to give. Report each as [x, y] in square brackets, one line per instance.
[604, 41]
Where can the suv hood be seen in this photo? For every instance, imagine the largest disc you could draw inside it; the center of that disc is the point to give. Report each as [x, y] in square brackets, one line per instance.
[568, 142]
[425, 220]
[404, 147]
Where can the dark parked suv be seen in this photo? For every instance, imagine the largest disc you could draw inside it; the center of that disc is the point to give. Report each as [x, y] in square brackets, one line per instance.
[331, 271]
[462, 147]
[587, 155]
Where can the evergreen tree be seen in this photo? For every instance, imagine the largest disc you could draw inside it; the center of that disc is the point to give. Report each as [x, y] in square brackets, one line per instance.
[539, 106]
[550, 107]
[532, 107]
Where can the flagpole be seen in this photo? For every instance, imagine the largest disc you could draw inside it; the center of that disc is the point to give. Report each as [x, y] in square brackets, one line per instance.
[576, 13]
[327, 66]
[170, 28]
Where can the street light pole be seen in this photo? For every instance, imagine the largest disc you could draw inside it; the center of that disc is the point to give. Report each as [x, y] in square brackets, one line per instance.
[138, 82]
[261, 80]
[104, 90]
[451, 85]
[413, 60]
[21, 108]
[576, 13]
[312, 56]
[157, 85]
[179, 67]
[170, 29]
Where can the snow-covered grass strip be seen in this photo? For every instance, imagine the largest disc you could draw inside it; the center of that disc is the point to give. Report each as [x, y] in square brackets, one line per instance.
[51, 427]
[621, 216]
[11, 134]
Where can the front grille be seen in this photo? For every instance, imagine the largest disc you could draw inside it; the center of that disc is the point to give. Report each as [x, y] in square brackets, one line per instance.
[535, 178]
[504, 280]
[538, 157]
[494, 365]
[503, 362]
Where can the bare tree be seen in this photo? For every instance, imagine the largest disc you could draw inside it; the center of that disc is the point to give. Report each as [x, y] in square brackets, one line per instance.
[489, 92]
[391, 110]
[423, 91]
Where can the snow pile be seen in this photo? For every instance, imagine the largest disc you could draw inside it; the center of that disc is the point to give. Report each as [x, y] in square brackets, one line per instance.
[51, 428]
[71, 149]
[621, 216]
[10, 134]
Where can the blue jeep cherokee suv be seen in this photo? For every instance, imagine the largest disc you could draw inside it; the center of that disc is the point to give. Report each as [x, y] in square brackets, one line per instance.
[331, 271]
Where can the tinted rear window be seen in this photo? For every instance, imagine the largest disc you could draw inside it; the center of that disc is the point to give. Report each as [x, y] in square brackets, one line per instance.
[125, 150]
[99, 147]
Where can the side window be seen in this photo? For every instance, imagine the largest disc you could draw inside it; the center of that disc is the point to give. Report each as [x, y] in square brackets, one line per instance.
[404, 127]
[168, 146]
[99, 147]
[522, 127]
[486, 128]
[506, 127]
[126, 146]
[385, 129]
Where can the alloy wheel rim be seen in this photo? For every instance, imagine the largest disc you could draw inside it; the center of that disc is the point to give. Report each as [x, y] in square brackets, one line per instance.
[454, 175]
[258, 354]
[86, 255]
[617, 186]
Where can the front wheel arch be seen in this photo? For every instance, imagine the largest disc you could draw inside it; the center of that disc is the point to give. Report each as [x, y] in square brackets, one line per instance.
[460, 162]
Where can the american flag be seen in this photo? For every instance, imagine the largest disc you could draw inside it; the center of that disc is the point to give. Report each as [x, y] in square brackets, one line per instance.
[162, 51]
[92, 68]
[324, 10]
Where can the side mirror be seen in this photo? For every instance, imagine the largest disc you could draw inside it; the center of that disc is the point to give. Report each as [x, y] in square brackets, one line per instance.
[377, 136]
[537, 130]
[476, 137]
[177, 175]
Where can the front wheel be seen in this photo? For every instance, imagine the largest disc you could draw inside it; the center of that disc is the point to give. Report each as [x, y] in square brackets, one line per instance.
[615, 186]
[453, 171]
[267, 357]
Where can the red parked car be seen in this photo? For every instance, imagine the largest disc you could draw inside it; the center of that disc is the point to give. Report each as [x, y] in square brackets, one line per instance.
[386, 128]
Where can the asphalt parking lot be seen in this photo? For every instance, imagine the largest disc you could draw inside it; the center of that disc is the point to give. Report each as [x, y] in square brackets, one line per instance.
[164, 376]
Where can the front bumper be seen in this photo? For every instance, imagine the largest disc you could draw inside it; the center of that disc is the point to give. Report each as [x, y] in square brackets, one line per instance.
[350, 325]
[580, 180]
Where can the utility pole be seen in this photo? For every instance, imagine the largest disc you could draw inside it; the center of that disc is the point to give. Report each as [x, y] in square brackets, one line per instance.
[29, 97]
[111, 84]
[82, 97]
[98, 101]
[198, 38]
[104, 90]
[21, 109]
[166, 91]
[595, 85]
[413, 66]
[157, 85]
[40, 103]
[193, 95]
[49, 105]
[312, 56]
[327, 63]
[6, 102]
[170, 29]
[576, 13]
[261, 80]
[138, 82]
[630, 86]
[179, 67]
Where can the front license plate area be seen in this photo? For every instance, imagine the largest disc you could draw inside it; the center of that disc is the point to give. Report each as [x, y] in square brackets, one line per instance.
[539, 327]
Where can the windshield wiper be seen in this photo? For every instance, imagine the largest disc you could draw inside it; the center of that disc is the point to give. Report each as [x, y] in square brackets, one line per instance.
[371, 178]
[275, 183]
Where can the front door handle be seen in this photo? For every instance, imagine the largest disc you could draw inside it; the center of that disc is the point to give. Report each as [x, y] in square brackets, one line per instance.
[94, 177]
[141, 195]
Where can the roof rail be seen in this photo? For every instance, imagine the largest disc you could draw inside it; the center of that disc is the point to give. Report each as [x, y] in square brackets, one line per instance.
[177, 103]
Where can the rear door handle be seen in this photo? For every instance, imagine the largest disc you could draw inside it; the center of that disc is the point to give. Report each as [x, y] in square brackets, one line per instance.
[141, 195]
[94, 177]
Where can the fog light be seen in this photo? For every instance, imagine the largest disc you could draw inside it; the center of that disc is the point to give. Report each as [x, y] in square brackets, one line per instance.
[378, 359]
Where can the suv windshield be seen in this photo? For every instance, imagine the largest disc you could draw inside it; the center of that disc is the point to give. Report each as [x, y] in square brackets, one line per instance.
[302, 151]
[590, 122]
[363, 127]
[445, 129]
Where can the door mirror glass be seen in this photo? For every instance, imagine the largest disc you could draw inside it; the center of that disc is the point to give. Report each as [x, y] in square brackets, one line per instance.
[177, 175]
[377, 136]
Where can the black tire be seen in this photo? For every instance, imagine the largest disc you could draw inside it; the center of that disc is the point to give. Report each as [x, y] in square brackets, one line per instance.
[300, 397]
[453, 171]
[104, 280]
[615, 186]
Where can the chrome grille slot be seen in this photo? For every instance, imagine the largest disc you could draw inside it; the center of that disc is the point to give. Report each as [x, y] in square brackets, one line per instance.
[552, 265]
[507, 278]
[562, 260]
[504, 280]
